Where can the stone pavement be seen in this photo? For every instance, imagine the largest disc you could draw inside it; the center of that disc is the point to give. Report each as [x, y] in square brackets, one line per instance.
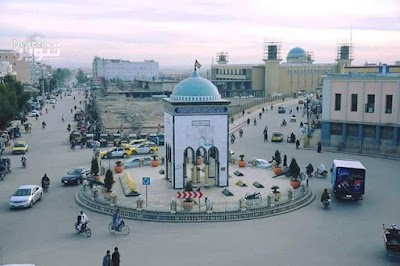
[160, 192]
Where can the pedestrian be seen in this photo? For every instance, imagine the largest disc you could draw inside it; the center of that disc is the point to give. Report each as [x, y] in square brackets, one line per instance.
[284, 160]
[106, 258]
[319, 147]
[297, 108]
[115, 258]
[265, 136]
[297, 144]
[301, 124]
[248, 121]
[263, 109]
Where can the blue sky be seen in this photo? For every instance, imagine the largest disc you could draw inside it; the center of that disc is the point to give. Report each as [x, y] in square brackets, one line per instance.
[176, 32]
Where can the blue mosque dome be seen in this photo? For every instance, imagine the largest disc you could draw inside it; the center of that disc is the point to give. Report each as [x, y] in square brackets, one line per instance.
[297, 55]
[195, 89]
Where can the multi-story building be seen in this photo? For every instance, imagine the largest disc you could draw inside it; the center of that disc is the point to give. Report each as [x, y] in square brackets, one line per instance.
[299, 72]
[6, 69]
[361, 110]
[24, 66]
[117, 69]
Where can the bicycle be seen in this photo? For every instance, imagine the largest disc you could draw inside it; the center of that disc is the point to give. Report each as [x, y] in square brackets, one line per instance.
[253, 198]
[123, 228]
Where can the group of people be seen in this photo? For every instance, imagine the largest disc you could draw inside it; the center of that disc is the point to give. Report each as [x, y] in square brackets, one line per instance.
[112, 260]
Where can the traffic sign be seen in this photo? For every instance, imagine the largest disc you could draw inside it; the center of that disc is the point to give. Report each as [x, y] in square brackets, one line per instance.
[189, 194]
[146, 181]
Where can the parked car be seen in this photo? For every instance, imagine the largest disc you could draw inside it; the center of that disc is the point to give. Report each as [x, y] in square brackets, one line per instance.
[20, 147]
[75, 175]
[117, 152]
[26, 196]
[135, 162]
[281, 109]
[34, 113]
[277, 136]
[161, 139]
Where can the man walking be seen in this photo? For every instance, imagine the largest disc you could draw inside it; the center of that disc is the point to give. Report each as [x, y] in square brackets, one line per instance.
[107, 259]
[266, 134]
[115, 258]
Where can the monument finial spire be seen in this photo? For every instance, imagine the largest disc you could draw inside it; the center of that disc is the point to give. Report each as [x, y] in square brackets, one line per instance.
[197, 65]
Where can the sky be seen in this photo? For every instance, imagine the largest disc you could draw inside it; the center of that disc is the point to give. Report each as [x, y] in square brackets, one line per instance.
[177, 32]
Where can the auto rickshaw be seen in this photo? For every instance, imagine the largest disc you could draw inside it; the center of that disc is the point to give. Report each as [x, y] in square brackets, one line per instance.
[103, 140]
[89, 140]
[77, 137]
[117, 140]
[131, 137]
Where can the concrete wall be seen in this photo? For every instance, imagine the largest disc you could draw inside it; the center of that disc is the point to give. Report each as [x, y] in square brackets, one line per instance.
[257, 78]
[188, 134]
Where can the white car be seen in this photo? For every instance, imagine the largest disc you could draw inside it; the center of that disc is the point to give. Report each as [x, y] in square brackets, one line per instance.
[53, 101]
[26, 196]
[34, 113]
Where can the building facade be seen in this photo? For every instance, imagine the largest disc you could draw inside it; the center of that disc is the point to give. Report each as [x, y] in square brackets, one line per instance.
[298, 72]
[24, 66]
[117, 69]
[361, 110]
[6, 69]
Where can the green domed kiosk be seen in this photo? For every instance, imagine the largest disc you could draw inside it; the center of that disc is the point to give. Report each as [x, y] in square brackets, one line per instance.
[196, 125]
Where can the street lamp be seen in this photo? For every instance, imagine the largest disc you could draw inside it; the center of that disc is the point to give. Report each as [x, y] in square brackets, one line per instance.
[308, 120]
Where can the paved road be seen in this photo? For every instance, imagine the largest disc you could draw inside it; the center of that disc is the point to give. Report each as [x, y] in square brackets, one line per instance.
[346, 234]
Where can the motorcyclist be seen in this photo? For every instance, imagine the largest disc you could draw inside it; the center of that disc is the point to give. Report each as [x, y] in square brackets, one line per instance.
[47, 111]
[240, 132]
[45, 179]
[309, 169]
[283, 122]
[325, 196]
[116, 220]
[43, 125]
[321, 168]
[69, 128]
[255, 121]
[23, 160]
[82, 221]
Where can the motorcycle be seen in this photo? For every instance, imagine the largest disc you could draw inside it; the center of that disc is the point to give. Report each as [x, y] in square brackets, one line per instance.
[43, 125]
[46, 185]
[326, 203]
[240, 133]
[323, 174]
[232, 140]
[84, 229]
[24, 164]
[255, 122]
[283, 124]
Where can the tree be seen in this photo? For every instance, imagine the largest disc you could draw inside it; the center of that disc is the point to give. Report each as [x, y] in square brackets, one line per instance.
[278, 158]
[13, 100]
[109, 180]
[294, 169]
[61, 75]
[94, 169]
[80, 77]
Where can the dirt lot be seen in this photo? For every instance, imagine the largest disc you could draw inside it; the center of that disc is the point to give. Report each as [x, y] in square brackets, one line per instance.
[138, 115]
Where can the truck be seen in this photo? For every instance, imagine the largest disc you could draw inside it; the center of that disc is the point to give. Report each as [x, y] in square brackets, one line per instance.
[348, 179]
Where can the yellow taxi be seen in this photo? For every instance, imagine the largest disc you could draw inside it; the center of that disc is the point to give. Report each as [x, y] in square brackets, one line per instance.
[117, 152]
[20, 147]
[277, 136]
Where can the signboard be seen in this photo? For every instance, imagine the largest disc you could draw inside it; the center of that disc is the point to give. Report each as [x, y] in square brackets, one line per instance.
[146, 181]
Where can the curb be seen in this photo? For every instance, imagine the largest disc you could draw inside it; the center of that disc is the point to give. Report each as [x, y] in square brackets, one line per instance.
[332, 150]
[195, 217]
